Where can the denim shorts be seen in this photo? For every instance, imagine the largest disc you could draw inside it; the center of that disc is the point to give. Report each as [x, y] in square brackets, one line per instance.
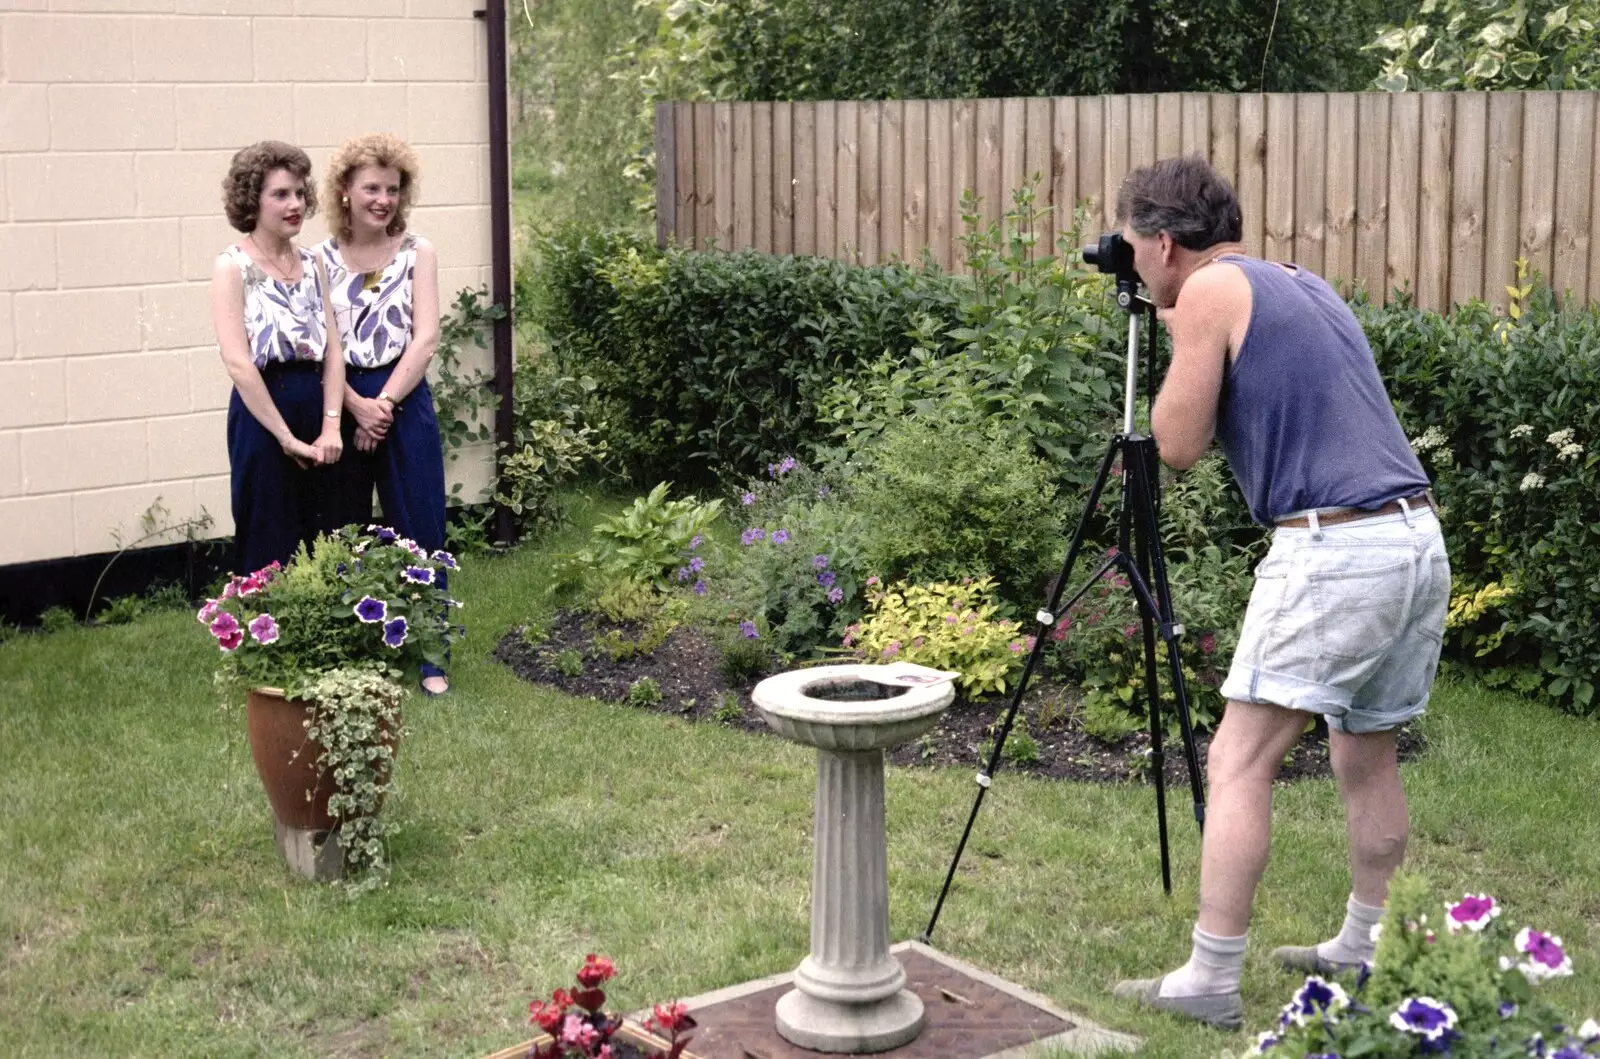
[1347, 621]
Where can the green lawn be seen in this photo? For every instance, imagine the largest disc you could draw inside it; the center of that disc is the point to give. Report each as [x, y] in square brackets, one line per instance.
[144, 911]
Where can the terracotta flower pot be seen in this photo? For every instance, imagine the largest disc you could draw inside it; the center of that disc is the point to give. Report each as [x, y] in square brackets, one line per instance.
[286, 759]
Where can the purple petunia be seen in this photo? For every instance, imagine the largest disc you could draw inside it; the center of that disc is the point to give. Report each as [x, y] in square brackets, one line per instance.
[836, 596]
[747, 629]
[264, 629]
[394, 632]
[697, 564]
[1317, 997]
[819, 562]
[695, 542]
[371, 611]
[824, 491]
[444, 559]
[683, 573]
[1424, 1016]
[384, 534]
[780, 536]
[1473, 912]
[700, 588]
[1545, 956]
[750, 536]
[747, 499]
[418, 575]
[827, 578]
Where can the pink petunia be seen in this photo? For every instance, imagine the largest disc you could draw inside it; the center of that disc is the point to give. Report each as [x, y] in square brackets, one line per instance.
[264, 630]
[224, 624]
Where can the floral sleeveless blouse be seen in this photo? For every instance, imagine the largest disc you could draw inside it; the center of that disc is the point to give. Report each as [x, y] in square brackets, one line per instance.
[372, 309]
[284, 322]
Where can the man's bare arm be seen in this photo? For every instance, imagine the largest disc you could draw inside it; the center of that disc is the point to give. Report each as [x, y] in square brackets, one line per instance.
[1211, 307]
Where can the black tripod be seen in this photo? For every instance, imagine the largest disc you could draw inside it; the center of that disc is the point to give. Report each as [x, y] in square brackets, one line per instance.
[1138, 557]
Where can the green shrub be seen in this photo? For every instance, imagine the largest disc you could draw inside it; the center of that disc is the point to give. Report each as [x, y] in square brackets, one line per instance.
[553, 454]
[742, 661]
[1038, 351]
[568, 662]
[1505, 410]
[946, 626]
[57, 619]
[944, 502]
[709, 363]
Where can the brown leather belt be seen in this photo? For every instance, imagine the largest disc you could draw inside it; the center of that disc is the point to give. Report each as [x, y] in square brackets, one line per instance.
[1356, 514]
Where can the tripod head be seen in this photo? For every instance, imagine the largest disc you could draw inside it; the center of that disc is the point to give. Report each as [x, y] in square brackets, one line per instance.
[1114, 255]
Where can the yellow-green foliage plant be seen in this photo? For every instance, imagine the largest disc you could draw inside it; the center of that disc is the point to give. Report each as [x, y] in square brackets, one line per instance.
[945, 625]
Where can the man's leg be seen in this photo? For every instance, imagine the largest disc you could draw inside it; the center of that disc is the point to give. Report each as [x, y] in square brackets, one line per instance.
[1241, 764]
[1367, 767]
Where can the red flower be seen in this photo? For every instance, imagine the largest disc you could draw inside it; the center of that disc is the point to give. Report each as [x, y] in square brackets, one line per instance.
[546, 1016]
[595, 969]
[671, 1018]
[561, 999]
[1208, 644]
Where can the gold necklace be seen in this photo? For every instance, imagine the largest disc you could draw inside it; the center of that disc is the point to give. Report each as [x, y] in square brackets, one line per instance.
[282, 274]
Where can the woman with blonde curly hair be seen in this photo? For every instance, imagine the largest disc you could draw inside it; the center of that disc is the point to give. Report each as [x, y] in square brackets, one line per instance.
[384, 288]
[276, 335]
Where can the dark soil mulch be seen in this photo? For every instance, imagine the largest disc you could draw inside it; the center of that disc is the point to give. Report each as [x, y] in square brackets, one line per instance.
[686, 668]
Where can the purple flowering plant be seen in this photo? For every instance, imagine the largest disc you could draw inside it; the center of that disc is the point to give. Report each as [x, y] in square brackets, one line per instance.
[1449, 978]
[796, 572]
[364, 598]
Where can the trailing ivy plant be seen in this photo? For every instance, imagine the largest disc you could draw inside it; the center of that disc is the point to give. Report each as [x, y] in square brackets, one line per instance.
[355, 719]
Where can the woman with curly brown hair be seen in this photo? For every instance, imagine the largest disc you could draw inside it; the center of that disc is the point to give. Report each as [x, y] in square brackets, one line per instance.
[278, 342]
[384, 288]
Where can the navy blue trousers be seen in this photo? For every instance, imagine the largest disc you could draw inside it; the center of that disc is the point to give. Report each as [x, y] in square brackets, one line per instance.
[276, 503]
[407, 468]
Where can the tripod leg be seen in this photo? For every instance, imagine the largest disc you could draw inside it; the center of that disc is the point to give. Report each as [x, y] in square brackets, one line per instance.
[985, 777]
[1158, 760]
[1156, 566]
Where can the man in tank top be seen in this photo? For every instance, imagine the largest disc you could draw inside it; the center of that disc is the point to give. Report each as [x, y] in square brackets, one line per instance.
[1347, 612]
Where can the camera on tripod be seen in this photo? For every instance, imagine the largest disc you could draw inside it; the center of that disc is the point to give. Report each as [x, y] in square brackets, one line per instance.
[1114, 255]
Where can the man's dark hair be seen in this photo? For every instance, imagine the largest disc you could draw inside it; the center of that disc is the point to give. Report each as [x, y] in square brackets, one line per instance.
[1183, 197]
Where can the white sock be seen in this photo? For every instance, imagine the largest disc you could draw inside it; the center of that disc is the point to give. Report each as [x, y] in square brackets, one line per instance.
[1213, 967]
[1354, 942]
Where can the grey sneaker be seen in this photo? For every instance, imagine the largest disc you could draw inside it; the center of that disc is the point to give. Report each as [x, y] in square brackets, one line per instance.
[1305, 958]
[1223, 1010]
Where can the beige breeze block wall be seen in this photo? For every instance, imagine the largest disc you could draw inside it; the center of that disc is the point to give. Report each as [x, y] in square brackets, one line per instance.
[117, 121]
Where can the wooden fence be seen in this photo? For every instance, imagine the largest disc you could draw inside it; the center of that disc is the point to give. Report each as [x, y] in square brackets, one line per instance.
[1440, 192]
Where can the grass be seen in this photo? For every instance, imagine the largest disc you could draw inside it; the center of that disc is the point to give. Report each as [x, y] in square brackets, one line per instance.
[144, 910]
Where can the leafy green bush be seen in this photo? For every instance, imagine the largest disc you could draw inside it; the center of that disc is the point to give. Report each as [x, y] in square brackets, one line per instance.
[1478, 45]
[712, 362]
[1038, 350]
[947, 626]
[1506, 412]
[648, 540]
[552, 454]
[945, 502]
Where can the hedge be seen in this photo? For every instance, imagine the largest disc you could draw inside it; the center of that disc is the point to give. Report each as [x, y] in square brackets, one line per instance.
[707, 364]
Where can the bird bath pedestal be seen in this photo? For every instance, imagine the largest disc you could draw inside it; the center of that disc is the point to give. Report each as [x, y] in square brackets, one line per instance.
[849, 993]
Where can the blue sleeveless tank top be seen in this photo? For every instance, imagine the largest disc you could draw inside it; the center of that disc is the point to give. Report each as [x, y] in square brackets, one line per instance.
[1304, 419]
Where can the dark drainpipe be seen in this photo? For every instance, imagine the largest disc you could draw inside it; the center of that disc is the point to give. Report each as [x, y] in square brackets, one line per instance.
[494, 17]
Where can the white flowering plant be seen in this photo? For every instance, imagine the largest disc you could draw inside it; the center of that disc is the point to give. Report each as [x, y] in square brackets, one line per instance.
[1452, 978]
